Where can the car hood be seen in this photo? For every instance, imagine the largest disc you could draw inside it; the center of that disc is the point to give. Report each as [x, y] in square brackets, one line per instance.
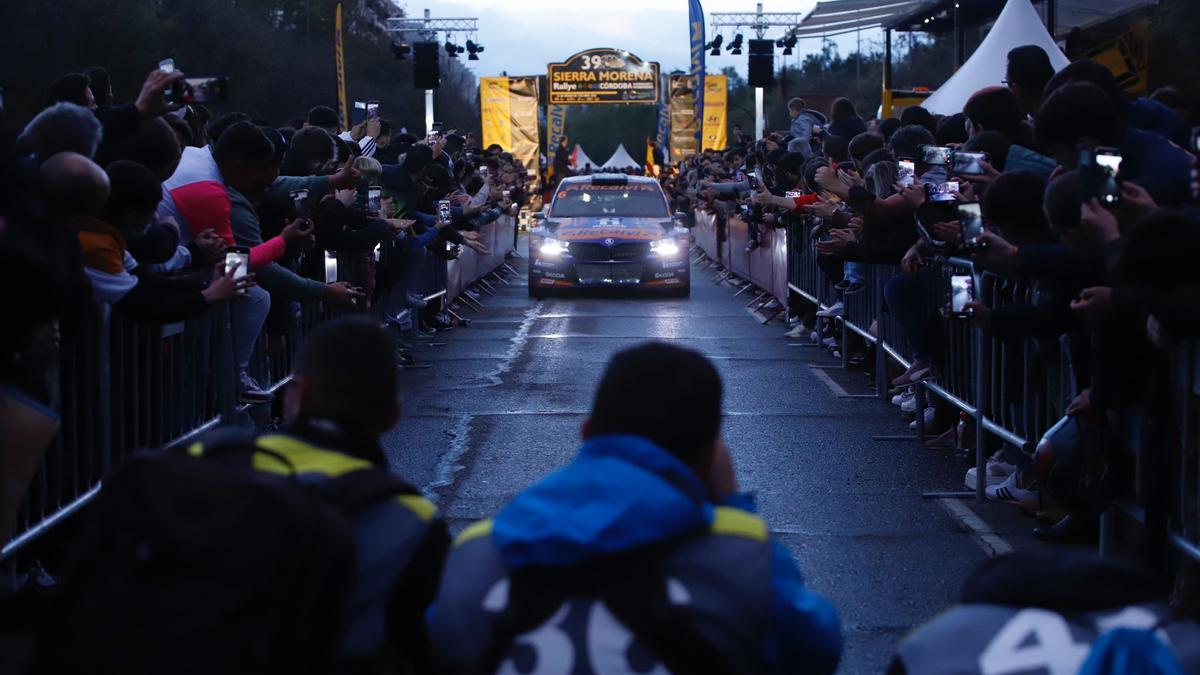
[612, 227]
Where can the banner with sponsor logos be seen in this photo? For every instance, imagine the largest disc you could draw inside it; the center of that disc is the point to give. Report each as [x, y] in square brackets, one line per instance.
[603, 76]
[662, 134]
[495, 114]
[340, 63]
[523, 106]
[716, 112]
[509, 116]
[696, 69]
[556, 127]
[684, 130]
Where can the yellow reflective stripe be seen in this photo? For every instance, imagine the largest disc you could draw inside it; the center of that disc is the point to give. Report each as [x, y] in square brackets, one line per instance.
[423, 508]
[305, 458]
[476, 530]
[738, 523]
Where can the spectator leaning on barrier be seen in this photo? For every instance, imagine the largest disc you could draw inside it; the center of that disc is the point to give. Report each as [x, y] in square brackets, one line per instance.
[127, 215]
[327, 561]
[646, 528]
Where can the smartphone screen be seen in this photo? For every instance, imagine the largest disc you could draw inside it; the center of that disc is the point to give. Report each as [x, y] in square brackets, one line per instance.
[908, 173]
[1108, 161]
[374, 199]
[167, 65]
[936, 155]
[299, 197]
[330, 267]
[239, 256]
[968, 163]
[970, 218]
[443, 211]
[944, 192]
[1196, 140]
[436, 128]
[752, 180]
[372, 109]
[962, 291]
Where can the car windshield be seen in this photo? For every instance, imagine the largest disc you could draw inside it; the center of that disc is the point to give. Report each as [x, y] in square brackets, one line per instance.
[635, 200]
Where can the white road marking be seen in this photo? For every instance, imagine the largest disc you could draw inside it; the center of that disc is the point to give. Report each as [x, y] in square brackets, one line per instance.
[516, 344]
[837, 389]
[448, 465]
[991, 543]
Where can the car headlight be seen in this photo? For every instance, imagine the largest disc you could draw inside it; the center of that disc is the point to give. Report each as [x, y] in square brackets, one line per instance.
[665, 248]
[552, 248]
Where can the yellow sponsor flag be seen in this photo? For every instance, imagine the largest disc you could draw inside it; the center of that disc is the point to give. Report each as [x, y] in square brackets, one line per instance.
[509, 117]
[716, 112]
[340, 62]
[683, 122]
[525, 143]
[495, 112]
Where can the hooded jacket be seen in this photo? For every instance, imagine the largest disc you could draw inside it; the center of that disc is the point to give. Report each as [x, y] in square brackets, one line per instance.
[622, 493]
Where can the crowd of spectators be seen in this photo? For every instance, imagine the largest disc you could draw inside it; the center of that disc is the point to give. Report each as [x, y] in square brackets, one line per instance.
[1086, 195]
[162, 210]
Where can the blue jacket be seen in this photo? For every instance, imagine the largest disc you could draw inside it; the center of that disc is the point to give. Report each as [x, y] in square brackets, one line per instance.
[622, 492]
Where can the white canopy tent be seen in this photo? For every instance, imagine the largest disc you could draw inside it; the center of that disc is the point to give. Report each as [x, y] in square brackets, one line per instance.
[1019, 24]
[580, 159]
[621, 159]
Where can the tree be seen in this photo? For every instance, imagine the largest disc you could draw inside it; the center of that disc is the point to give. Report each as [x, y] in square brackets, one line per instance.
[277, 54]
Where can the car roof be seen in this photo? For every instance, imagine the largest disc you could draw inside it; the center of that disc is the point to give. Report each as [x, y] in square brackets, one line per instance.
[609, 177]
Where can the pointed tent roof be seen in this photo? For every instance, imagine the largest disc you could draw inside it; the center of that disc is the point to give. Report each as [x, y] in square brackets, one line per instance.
[580, 159]
[621, 159]
[1019, 24]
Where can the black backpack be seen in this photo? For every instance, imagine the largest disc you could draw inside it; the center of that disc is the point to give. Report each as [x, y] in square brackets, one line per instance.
[206, 565]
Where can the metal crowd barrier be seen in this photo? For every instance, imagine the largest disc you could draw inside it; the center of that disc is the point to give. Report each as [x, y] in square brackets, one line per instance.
[471, 269]
[1016, 389]
[128, 385]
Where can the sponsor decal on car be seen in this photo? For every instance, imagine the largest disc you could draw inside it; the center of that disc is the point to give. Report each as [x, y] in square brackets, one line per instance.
[636, 234]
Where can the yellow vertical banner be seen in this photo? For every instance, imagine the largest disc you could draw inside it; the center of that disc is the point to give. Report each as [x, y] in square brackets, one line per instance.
[683, 118]
[716, 112]
[526, 142]
[495, 112]
[343, 110]
[509, 117]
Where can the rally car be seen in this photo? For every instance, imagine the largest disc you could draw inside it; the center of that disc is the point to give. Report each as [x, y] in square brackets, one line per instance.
[608, 231]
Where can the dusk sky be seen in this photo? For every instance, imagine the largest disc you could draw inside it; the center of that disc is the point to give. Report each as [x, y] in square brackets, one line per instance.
[521, 37]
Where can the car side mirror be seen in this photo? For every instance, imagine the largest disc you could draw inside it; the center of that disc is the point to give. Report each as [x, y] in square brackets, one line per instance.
[680, 219]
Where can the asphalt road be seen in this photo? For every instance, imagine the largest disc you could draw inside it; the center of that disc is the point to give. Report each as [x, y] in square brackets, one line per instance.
[503, 400]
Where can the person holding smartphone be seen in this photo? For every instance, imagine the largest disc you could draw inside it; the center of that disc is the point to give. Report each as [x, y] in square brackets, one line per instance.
[134, 195]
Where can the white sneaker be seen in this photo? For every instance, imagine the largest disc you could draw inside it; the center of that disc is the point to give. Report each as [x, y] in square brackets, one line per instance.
[1011, 492]
[930, 413]
[837, 309]
[997, 473]
[902, 397]
[796, 332]
[909, 405]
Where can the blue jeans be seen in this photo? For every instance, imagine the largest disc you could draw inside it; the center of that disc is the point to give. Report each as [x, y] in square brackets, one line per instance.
[906, 297]
[854, 272]
[247, 316]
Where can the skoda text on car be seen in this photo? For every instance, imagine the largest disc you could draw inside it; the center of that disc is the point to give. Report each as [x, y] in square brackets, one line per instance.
[608, 231]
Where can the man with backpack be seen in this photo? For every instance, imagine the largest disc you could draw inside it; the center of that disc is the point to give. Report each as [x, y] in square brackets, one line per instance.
[295, 551]
[638, 556]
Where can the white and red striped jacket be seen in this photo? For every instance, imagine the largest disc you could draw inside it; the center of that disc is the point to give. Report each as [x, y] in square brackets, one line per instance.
[196, 197]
